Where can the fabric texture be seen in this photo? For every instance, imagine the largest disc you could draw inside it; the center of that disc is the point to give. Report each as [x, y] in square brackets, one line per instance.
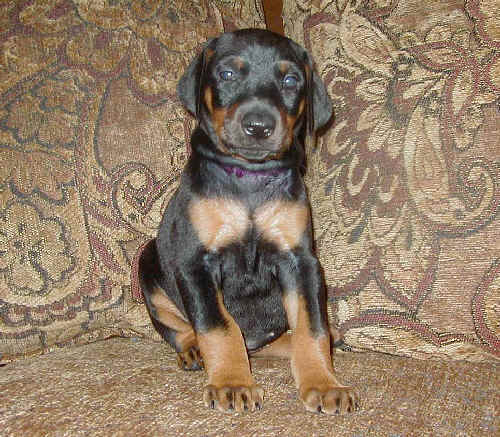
[121, 387]
[404, 189]
[92, 142]
[405, 184]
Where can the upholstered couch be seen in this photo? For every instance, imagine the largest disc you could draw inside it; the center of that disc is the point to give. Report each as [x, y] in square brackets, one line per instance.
[405, 189]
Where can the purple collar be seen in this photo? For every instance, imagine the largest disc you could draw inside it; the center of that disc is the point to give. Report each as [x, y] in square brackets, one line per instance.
[240, 172]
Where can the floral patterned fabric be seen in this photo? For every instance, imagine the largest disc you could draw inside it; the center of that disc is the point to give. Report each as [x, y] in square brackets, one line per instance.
[92, 141]
[405, 185]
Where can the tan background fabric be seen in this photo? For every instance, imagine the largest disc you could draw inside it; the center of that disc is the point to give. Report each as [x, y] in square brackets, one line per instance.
[405, 185]
[92, 141]
[404, 189]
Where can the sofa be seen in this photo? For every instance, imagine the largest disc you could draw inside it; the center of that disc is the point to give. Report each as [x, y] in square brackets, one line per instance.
[405, 193]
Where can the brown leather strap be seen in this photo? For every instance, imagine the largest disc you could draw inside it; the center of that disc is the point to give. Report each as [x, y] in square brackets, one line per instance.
[272, 12]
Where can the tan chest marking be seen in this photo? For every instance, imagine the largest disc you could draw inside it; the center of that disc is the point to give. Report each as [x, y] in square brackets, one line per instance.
[282, 223]
[219, 222]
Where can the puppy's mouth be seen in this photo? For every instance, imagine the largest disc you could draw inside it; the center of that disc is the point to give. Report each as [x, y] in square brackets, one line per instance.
[251, 154]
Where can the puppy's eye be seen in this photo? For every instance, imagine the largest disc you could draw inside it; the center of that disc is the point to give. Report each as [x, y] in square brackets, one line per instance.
[226, 75]
[290, 82]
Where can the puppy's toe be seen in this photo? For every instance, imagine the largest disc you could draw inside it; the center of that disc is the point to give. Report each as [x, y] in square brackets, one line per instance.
[190, 359]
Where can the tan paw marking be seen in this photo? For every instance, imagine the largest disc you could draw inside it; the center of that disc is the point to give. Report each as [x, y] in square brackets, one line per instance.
[331, 400]
[190, 359]
[233, 398]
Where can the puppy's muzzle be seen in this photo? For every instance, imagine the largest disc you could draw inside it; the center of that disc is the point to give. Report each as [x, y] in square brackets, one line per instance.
[254, 130]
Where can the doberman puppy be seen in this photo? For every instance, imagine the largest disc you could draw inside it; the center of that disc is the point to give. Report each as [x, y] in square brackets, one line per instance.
[232, 269]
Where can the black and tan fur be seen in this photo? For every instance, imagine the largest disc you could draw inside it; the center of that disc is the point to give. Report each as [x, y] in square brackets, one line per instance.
[232, 269]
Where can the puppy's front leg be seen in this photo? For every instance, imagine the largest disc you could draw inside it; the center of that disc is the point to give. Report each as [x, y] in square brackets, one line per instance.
[305, 305]
[230, 383]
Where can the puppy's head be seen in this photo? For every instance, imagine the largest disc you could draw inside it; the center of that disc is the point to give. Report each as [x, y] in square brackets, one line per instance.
[252, 92]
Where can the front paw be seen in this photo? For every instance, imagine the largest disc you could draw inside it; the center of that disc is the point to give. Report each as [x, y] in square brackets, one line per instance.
[329, 399]
[239, 398]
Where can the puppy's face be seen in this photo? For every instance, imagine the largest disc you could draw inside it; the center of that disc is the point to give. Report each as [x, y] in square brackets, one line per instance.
[252, 91]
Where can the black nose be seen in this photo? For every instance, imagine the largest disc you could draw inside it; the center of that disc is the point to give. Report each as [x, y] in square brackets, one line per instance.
[258, 124]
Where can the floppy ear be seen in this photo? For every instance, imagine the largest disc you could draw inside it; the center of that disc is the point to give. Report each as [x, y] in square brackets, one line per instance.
[319, 105]
[189, 86]
[322, 105]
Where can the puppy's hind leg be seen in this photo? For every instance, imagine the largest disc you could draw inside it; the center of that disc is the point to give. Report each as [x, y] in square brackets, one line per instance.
[167, 319]
[282, 346]
[176, 330]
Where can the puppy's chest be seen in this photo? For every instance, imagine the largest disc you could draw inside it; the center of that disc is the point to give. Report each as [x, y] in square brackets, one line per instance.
[220, 222]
